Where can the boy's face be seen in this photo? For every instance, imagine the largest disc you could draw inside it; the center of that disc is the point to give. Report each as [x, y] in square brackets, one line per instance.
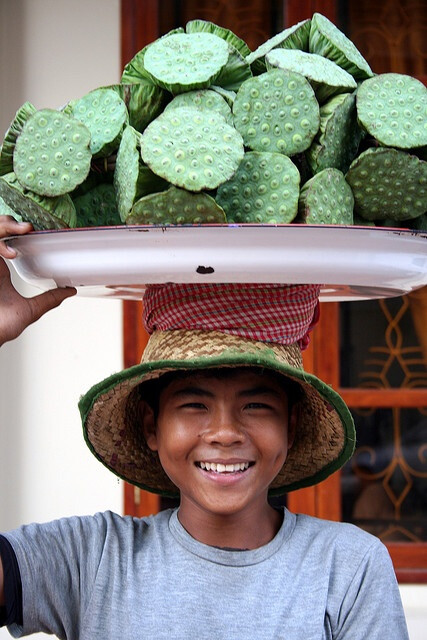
[222, 441]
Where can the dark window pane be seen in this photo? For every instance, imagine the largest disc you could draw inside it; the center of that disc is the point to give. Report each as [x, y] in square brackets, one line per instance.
[384, 486]
[383, 343]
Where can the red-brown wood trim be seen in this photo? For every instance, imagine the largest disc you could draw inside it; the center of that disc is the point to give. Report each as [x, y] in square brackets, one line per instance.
[400, 398]
[409, 561]
[296, 10]
[139, 26]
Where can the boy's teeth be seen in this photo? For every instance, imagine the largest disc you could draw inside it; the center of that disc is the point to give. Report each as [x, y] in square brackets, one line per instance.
[222, 468]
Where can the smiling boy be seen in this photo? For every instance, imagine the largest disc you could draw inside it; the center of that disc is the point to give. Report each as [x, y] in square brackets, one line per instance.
[222, 437]
[220, 413]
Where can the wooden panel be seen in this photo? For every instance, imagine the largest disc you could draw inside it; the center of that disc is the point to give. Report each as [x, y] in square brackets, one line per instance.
[297, 10]
[400, 398]
[139, 26]
[409, 561]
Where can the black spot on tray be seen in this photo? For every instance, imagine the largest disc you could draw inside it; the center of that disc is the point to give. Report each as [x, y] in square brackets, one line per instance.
[205, 270]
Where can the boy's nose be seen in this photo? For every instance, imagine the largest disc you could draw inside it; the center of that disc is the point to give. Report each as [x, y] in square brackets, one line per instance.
[225, 430]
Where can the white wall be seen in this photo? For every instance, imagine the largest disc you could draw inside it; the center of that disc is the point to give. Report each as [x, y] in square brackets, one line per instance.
[50, 52]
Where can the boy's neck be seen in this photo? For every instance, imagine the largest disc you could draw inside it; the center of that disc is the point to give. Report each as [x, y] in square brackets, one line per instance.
[236, 531]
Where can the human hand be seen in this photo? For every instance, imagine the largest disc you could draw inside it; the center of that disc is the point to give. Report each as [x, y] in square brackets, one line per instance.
[17, 312]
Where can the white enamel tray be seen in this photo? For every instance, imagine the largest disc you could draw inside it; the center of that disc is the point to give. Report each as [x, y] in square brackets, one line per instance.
[351, 263]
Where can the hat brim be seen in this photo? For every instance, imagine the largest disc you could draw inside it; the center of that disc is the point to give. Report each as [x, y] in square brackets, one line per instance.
[324, 441]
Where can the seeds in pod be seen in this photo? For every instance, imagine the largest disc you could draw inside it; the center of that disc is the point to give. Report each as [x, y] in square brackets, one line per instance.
[264, 189]
[33, 157]
[282, 95]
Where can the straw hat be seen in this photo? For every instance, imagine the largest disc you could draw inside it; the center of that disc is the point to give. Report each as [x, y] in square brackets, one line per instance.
[325, 435]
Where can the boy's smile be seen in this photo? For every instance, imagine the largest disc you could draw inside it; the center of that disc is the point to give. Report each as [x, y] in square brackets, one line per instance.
[222, 441]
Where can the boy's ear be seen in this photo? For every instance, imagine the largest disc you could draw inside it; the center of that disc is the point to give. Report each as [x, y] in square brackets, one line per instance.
[293, 423]
[148, 424]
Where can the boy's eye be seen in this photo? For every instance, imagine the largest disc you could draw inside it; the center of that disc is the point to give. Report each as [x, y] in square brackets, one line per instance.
[193, 405]
[258, 405]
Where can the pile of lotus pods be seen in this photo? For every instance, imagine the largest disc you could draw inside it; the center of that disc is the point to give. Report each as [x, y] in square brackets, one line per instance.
[202, 130]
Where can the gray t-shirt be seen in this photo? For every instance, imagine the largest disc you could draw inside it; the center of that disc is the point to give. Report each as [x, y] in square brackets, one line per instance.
[111, 577]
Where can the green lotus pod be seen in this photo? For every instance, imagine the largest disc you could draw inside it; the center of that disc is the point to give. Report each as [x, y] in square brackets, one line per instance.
[134, 71]
[98, 207]
[295, 37]
[328, 41]
[326, 199]
[176, 207]
[234, 72]
[43, 213]
[339, 135]
[204, 100]
[105, 114]
[264, 189]
[132, 179]
[361, 222]
[392, 107]
[237, 69]
[388, 183]
[5, 210]
[192, 149]
[198, 26]
[277, 111]
[229, 96]
[326, 77]
[182, 62]
[52, 154]
[14, 130]
[144, 102]
[420, 222]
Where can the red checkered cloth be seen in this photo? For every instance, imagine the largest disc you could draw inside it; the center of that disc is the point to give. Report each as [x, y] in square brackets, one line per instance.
[266, 312]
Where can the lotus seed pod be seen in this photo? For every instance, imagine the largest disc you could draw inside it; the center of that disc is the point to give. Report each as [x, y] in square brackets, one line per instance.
[144, 102]
[388, 183]
[229, 96]
[237, 69]
[105, 115]
[204, 100]
[419, 223]
[328, 41]
[14, 130]
[264, 189]
[192, 149]
[326, 199]
[134, 72]
[98, 207]
[198, 26]
[176, 207]
[392, 107]
[326, 77]
[181, 62]
[277, 112]
[43, 213]
[295, 37]
[339, 135]
[52, 155]
[132, 179]
[5, 210]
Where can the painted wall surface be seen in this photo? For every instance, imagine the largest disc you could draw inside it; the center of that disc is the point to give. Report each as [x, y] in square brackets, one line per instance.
[52, 51]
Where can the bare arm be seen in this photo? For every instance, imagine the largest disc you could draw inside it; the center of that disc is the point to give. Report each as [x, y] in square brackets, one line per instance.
[17, 312]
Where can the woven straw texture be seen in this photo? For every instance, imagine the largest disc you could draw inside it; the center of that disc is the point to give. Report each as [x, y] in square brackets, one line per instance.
[325, 434]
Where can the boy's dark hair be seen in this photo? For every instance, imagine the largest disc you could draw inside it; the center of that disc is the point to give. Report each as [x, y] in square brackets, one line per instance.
[150, 391]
